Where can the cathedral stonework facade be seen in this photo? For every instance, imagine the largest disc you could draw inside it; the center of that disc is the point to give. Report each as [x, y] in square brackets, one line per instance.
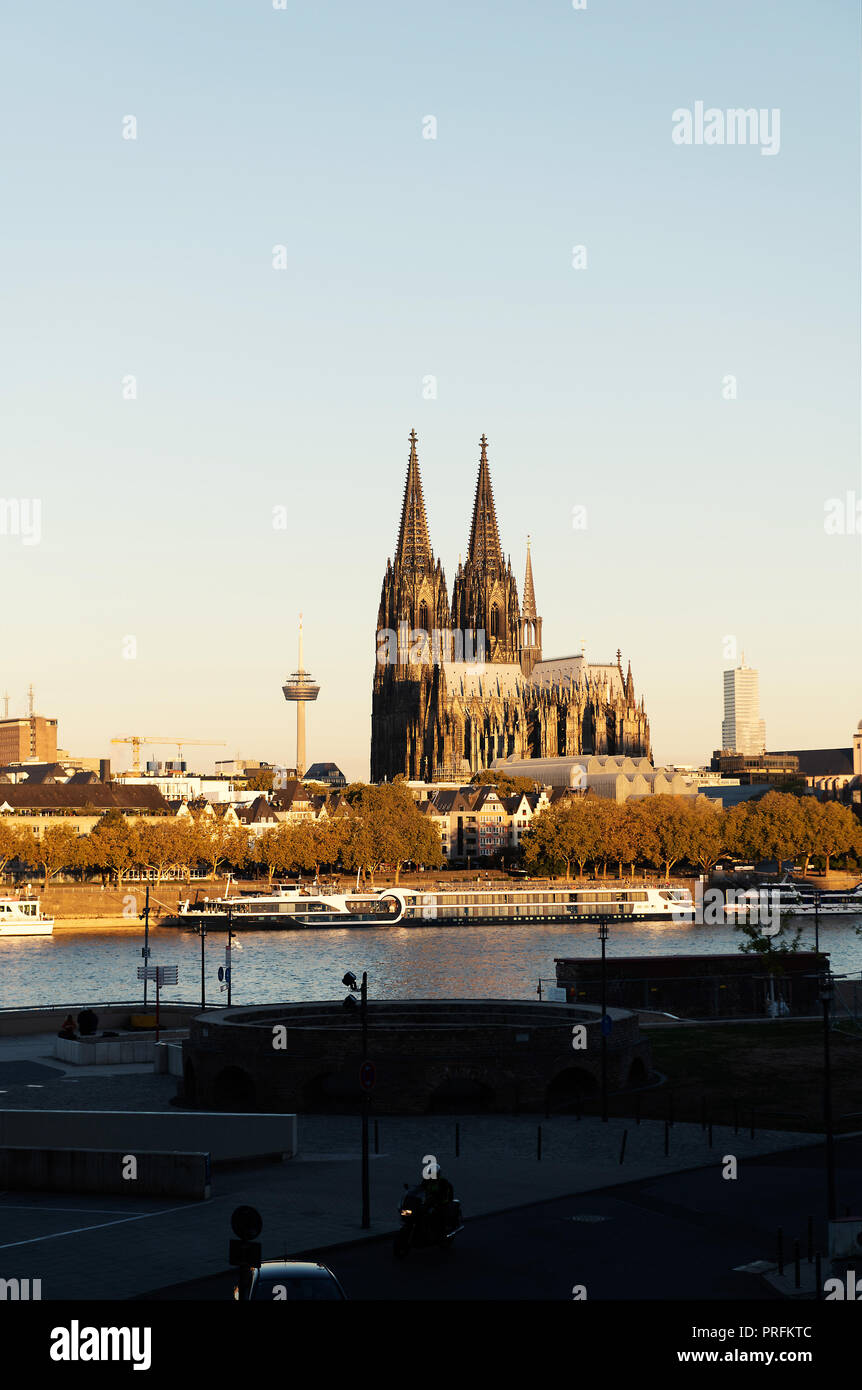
[457, 685]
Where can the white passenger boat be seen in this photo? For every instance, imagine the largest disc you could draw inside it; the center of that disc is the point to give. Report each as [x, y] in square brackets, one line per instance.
[21, 917]
[793, 900]
[825, 902]
[298, 907]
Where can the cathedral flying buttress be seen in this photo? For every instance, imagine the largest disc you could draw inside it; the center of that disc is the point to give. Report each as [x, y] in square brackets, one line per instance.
[456, 686]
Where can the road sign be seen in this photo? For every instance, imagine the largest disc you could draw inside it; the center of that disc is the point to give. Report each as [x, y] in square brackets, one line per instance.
[367, 1076]
[607, 1025]
[224, 973]
[162, 974]
[246, 1222]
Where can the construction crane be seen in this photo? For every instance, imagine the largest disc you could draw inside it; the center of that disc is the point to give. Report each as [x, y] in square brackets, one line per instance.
[137, 739]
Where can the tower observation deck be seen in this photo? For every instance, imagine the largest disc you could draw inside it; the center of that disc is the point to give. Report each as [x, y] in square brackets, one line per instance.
[301, 688]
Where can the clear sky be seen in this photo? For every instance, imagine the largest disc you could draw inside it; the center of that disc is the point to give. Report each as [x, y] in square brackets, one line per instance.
[407, 258]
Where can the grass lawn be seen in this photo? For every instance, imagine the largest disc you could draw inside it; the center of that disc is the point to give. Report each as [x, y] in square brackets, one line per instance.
[775, 1068]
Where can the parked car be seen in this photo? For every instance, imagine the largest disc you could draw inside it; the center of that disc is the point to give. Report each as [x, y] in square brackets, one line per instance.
[292, 1281]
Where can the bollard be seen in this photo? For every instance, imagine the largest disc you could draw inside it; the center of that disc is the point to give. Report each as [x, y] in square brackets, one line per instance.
[797, 1275]
[666, 1138]
[376, 1137]
[810, 1239]
[457, 1140]
[623, 1146]
[780, 1250]
[539, 1144]
[818, 1276]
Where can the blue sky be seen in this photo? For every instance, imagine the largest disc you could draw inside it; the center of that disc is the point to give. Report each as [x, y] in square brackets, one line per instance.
[408, 258]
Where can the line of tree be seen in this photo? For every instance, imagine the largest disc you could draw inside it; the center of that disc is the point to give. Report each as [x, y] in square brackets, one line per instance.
[374, 826]
[664, 831]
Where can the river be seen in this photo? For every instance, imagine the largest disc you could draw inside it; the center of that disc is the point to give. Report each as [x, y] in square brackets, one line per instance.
[93, 963]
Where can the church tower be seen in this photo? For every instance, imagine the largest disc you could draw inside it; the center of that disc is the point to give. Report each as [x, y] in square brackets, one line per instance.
[485, 593]
[413, 604]
[531, 624]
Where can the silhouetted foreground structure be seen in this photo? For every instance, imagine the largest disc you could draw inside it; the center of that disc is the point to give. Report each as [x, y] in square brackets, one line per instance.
[719, 986]
[430, 1056]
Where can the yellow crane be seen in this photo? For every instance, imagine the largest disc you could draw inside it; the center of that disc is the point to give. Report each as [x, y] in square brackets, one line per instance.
[137, 739]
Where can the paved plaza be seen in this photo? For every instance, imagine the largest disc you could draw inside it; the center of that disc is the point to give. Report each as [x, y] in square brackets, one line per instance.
[117, 1247]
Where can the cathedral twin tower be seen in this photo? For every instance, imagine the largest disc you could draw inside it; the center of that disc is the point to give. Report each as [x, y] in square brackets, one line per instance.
[456, 686]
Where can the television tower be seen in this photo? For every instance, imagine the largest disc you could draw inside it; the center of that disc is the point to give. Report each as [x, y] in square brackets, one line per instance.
[300, 688]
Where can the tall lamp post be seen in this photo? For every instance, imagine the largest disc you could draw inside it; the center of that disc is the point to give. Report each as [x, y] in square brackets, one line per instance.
[603, 938]
[366, 1079]
[203, 934]
[827, 994]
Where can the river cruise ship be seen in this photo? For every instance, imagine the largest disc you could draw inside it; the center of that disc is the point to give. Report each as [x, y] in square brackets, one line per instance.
[21, 917]
[792, 900]
[299, 907]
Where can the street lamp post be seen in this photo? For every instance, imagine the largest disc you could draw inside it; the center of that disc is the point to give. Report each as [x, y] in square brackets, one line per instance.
[826, 997]
[350, 1002]
[229, 971]
[203, 931]
[603, 937]
[817, 922]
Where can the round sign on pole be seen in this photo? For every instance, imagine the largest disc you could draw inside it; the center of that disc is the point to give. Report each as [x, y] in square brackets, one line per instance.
[246, 1222]
[221, 973]
[367, 1075]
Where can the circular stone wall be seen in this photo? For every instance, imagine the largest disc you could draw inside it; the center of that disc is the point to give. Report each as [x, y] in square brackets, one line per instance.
[429, 1055]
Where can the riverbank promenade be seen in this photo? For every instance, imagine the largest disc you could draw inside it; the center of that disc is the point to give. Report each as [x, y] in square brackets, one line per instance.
[122, 1248]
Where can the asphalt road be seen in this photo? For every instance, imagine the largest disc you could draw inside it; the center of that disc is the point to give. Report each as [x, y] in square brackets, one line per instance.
[677, 1237]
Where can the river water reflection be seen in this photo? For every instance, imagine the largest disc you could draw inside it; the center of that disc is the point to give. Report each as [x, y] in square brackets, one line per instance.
[95, 963]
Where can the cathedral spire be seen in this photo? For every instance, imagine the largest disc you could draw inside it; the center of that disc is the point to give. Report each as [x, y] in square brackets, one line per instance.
[484, 549]
[413, 551]
[630, 688]
[528, 607]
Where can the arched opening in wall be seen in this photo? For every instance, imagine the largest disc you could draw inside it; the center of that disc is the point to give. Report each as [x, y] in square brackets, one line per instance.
[331, 1093]
[423, 616]
[233, 1089]
[495, 621]
[460, 1095]
[568, 1088]
[190, 1084]
[637, 1073]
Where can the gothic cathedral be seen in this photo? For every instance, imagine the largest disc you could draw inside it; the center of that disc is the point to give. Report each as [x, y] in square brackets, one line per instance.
[458, 685]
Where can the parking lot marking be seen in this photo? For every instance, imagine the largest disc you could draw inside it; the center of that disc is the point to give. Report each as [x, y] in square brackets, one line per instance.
[99, 1226]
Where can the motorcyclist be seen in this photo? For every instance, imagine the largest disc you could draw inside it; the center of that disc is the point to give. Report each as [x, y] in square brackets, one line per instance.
[437, 1193]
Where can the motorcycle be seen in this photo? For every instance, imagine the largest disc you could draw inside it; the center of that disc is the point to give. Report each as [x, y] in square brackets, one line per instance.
[423, 1225]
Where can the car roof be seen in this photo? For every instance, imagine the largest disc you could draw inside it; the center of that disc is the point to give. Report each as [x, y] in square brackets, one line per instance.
[293, 1269]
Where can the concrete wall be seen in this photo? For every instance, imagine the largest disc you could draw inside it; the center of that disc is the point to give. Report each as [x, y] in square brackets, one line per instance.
[101, 1170]
[509, 1052]
[169, 1058]
[16, 1023]
[94, 1052]
[226, 1137]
